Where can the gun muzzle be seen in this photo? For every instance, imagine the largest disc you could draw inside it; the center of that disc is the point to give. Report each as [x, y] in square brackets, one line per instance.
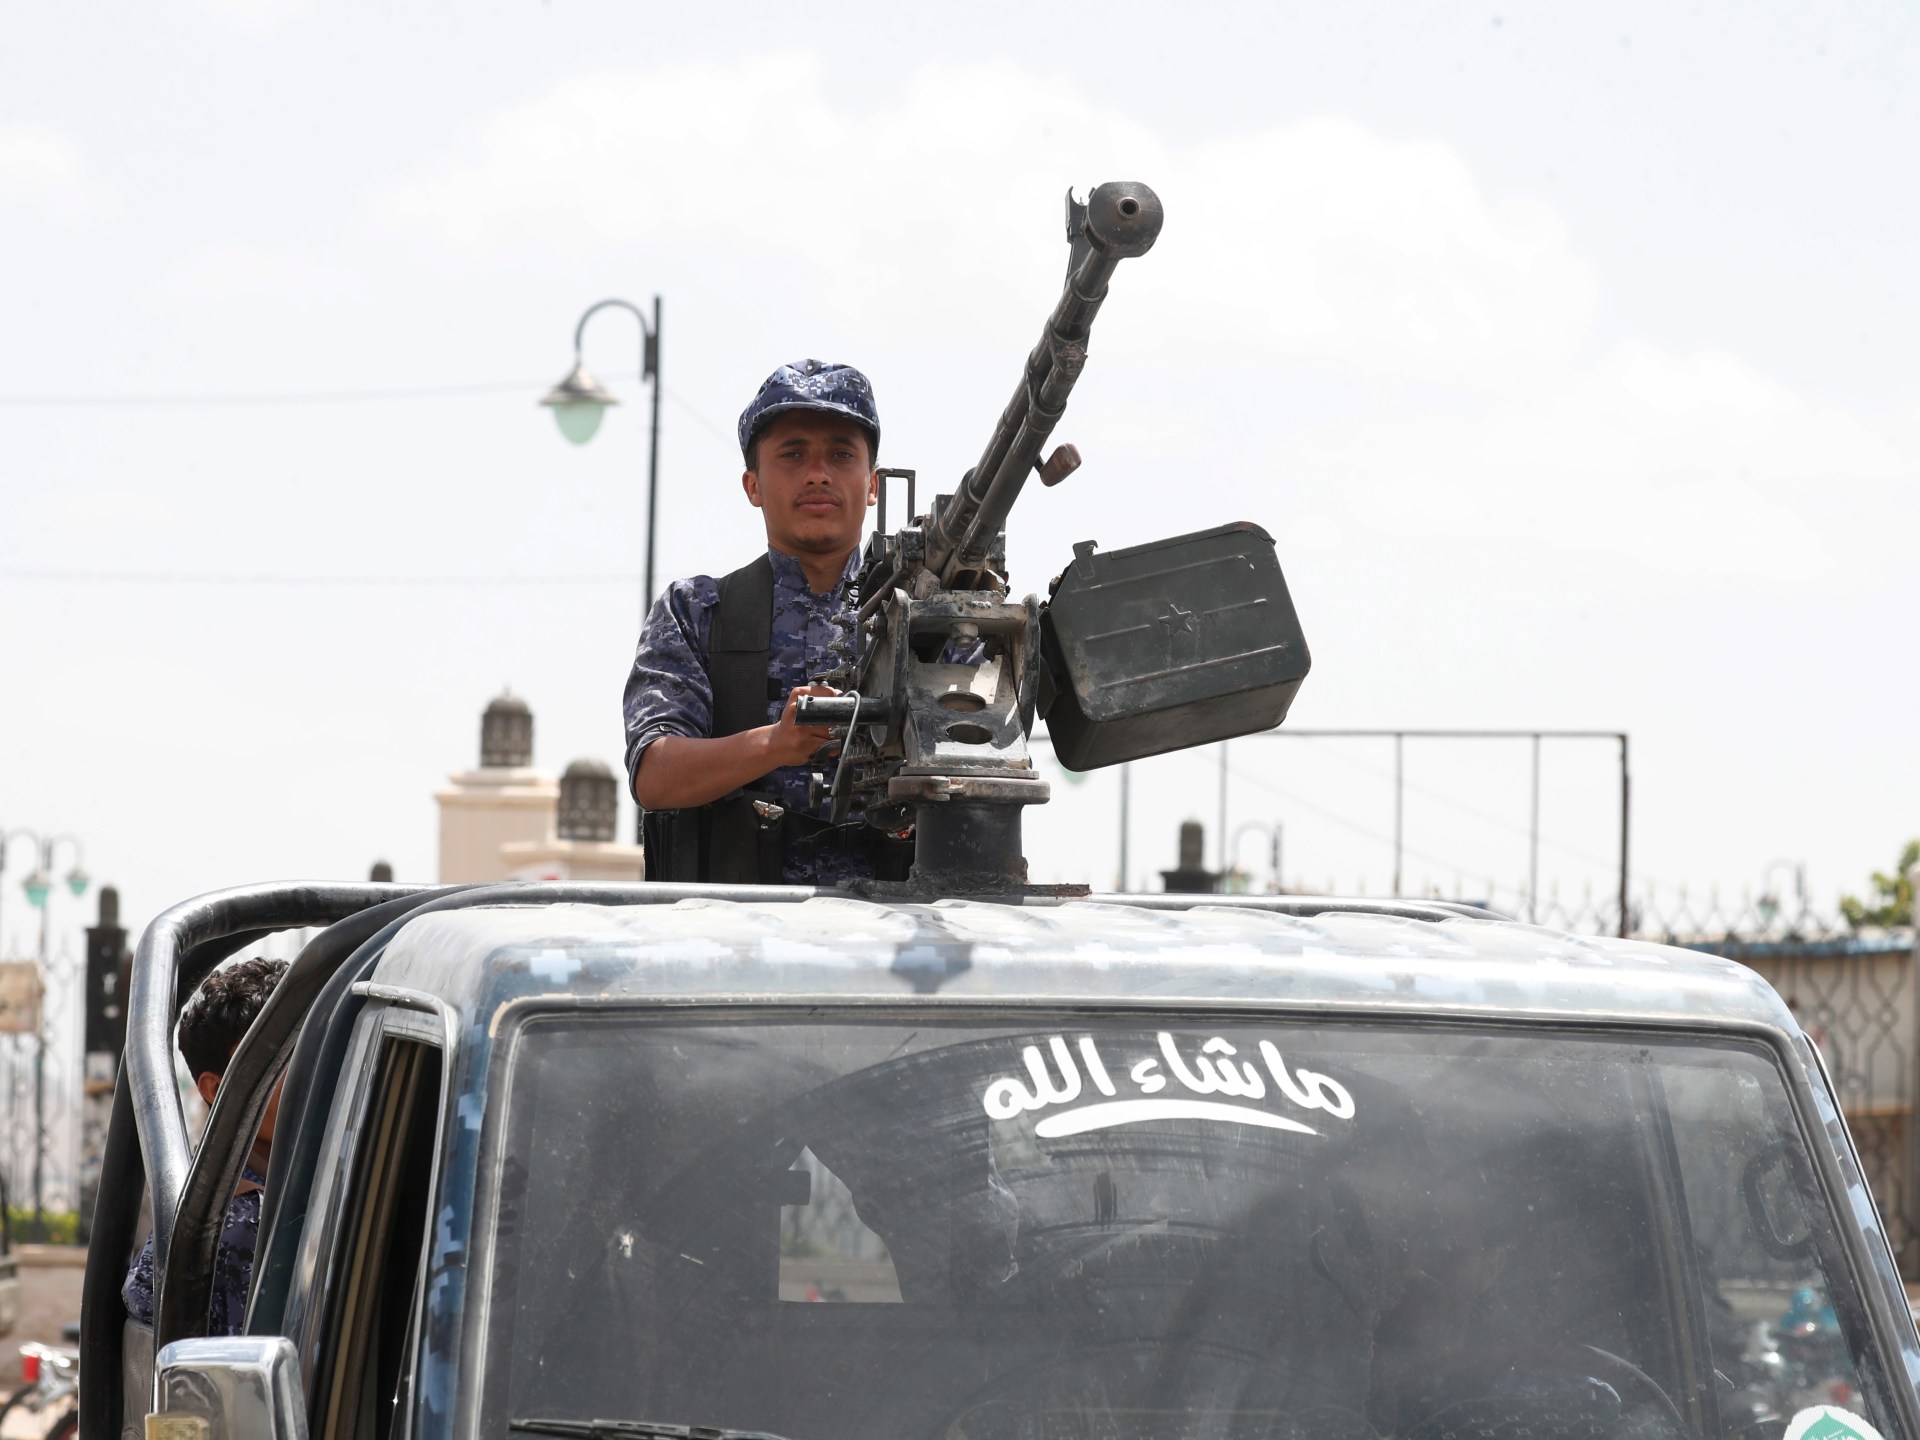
[1124, 218]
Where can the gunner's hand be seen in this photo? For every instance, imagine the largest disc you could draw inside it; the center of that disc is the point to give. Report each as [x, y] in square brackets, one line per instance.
[788, 741]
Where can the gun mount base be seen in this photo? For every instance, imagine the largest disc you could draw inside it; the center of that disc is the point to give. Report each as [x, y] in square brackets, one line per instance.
[961, 840]
[915, 892]
[966, 839]
[1010, 790]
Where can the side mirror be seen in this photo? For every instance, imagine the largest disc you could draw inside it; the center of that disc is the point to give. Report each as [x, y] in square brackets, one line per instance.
[241, 1387]
[1773, 1204]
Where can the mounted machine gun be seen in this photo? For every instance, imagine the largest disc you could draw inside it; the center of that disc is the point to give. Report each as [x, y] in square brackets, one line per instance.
[1136, 652]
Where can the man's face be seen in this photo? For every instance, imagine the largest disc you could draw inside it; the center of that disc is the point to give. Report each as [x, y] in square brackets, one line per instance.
[813, 483]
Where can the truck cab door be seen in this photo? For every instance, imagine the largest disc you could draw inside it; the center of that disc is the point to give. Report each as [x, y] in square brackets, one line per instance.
[354, 1314]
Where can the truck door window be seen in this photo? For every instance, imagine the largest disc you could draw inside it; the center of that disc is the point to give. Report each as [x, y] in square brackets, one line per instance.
[359, 1385]
[1777, 1340]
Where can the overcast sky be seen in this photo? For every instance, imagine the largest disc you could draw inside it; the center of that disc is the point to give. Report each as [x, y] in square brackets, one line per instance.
[1568, 352]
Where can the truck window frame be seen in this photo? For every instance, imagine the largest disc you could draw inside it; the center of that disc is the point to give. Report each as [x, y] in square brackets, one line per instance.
[347, 1263]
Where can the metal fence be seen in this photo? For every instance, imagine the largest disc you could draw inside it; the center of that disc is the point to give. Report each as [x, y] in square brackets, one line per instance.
[40, 1097]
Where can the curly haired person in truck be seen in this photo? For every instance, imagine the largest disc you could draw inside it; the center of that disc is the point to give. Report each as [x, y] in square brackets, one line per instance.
[211, 1028]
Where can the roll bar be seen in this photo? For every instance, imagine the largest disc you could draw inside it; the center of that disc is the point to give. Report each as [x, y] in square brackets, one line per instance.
[147, 1145]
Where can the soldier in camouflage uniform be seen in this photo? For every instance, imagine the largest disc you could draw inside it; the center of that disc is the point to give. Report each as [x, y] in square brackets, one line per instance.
[211, 1028]
[809, 439]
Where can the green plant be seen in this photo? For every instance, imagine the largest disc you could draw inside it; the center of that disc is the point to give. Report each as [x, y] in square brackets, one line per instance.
[1893, 894]
[62, 1226]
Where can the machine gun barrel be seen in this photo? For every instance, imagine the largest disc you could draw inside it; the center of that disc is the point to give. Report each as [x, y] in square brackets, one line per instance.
[1120, 219]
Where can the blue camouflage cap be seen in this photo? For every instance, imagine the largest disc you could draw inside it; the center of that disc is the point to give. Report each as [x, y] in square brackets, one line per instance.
[812, 385]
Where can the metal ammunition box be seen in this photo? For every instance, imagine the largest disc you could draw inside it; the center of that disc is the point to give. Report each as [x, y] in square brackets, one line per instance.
[1169, 645]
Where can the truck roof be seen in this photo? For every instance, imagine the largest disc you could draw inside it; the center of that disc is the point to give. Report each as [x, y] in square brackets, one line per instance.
[1111, 951]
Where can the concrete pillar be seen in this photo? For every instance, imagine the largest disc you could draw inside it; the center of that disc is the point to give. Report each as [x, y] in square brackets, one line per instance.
[504, 802]
[1192, 877]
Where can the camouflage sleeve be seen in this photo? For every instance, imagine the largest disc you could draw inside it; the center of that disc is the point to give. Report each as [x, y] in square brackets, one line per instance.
[233, 1265]
[136, 1293]
[668, 690]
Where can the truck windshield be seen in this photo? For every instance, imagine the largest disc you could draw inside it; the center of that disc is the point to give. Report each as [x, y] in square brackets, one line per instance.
[913, 1229]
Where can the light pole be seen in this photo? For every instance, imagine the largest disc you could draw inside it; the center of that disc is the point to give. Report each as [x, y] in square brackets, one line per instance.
[7, 837]
[39, 887]
[579, 401]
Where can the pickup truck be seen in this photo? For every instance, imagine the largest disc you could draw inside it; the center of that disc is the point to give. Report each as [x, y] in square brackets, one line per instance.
[664, 1162]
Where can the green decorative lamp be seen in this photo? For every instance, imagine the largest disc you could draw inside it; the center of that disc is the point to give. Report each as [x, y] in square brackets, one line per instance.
[578, 402]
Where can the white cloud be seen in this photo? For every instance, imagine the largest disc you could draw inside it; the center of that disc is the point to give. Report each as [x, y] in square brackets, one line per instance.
[1314, 533]
[1325, 243]
[228, 272]
[1475, 396]
[761, 159]
[1317, 241]
[255, 15]
[41, 172]
[1690, 465]
[609, 160]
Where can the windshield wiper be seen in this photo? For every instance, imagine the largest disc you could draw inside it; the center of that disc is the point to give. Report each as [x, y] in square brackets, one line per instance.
[634, 1430]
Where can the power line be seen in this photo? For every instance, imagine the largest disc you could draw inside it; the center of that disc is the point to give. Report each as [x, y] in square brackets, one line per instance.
[134, 577]
[288, 397]
[1381, 837]
[1460, 805]
[1330, 816]
[1334, 818]
[712, 429]
[188, 399]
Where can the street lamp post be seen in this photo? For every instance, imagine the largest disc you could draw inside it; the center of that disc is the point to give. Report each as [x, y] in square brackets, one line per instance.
[579, 401]
[39, 887]
[7, 837]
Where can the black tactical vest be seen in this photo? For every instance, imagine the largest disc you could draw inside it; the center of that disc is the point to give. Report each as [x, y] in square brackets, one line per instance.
[741, 839]
[732, 840]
